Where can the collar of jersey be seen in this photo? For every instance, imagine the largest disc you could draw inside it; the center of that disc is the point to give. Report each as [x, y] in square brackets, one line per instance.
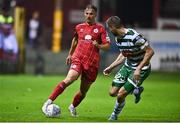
[90, 24]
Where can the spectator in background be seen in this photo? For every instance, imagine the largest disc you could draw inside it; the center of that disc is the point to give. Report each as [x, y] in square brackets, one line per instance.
[8, 43]
[34, 30]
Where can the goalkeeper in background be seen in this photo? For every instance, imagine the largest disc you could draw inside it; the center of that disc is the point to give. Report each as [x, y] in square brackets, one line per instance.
[137, 52]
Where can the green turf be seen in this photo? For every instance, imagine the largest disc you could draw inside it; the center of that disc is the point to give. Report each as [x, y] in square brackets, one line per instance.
[21, 98]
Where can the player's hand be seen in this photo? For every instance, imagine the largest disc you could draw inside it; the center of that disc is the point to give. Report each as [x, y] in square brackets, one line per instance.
[107, 71]
[68, 60]
[95, 43]
[137, 75]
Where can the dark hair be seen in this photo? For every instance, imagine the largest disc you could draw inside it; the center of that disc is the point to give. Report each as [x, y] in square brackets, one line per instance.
[90, 6]
[114, 21]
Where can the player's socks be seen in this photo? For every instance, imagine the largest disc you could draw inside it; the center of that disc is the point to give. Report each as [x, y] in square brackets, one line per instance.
[118, 107]
[49, 101]
[57, 91]
[77, 99]
[117, 110]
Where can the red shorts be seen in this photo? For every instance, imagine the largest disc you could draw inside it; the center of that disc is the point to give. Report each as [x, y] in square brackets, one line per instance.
[88, 73]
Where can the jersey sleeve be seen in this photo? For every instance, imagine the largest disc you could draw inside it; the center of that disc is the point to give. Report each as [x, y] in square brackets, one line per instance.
[104, 36]
[75, 31]
[141, 42]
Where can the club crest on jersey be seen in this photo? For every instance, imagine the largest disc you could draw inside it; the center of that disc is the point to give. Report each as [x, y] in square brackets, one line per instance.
[95, 30]
[88, 37]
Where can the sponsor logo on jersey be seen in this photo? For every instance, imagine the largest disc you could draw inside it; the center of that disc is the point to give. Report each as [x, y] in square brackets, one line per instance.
[88, 37]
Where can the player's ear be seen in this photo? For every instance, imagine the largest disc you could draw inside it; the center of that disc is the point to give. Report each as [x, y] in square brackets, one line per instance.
[94, 12]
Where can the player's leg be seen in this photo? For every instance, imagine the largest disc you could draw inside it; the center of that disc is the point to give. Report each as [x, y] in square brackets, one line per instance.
[139, 89]
[113, 91]
[70, 78]
[126, 89]
[79, 96]
[118, 82]
[119, 105]
[87, 78]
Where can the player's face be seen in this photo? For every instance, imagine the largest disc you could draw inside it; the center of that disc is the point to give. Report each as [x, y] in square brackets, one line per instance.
[90, 15]
[113, 30]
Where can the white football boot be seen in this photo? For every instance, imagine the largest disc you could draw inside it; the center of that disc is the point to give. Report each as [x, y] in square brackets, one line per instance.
[72, 110]
[45, 105]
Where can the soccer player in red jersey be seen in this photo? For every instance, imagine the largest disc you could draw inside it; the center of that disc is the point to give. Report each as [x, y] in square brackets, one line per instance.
[83, 57]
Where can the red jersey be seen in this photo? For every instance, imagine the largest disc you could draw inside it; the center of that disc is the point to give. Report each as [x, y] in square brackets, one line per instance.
[85, 51]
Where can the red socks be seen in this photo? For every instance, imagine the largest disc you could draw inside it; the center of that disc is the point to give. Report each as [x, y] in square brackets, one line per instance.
[60, 88]
[77, 99]
[57, 91]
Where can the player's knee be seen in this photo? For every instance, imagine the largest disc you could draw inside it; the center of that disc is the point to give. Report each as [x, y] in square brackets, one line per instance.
[112, 94]
[69, 80]
[122, 94]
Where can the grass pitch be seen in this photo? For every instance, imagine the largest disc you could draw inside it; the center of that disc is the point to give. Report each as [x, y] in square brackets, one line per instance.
[21, 98]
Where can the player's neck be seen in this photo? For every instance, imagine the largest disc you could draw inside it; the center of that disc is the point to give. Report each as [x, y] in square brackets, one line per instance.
[91, 23]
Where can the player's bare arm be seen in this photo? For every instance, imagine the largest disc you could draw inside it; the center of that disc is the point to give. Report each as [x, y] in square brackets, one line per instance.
[104, 47]
[117, 62]
[71, 51]
[147, 57]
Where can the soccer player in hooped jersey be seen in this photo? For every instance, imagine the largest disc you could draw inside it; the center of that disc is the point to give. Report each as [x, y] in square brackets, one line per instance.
[137, 52]
[84, 57]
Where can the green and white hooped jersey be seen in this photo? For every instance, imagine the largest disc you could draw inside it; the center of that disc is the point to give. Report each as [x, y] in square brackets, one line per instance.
[132, 46]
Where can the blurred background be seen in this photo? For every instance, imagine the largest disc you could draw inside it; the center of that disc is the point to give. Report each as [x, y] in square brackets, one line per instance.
[35, 35]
